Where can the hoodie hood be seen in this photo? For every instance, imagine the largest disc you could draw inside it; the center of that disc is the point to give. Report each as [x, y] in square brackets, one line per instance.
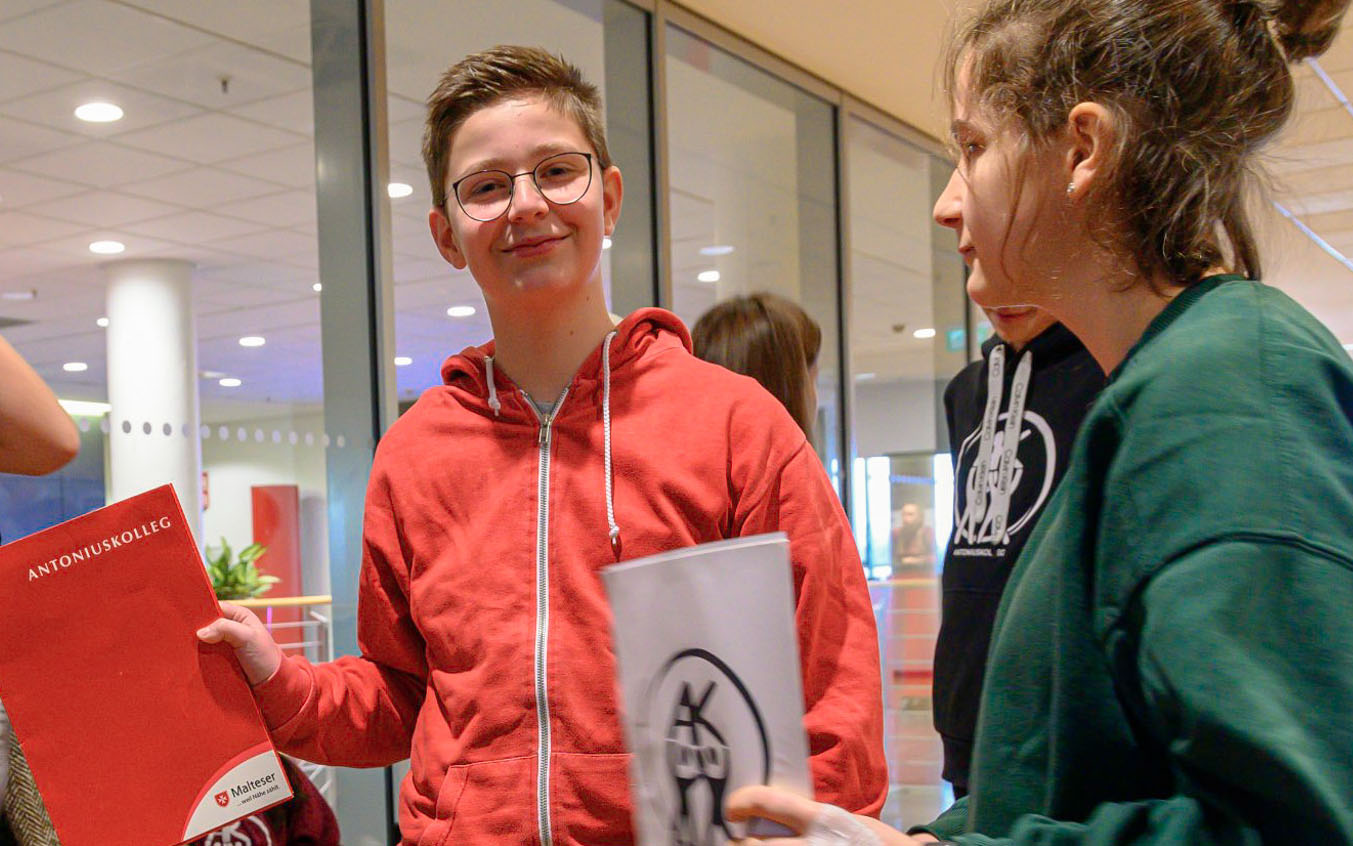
[473, 378]
[470, 373]
[1051, 345]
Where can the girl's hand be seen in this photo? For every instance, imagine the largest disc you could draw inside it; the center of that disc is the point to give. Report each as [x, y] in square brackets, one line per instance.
[817, 824]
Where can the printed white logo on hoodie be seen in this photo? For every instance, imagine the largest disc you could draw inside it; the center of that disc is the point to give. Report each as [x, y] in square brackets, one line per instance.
[975, 509]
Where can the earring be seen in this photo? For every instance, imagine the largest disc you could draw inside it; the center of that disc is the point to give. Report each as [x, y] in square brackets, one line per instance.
[1070, 189]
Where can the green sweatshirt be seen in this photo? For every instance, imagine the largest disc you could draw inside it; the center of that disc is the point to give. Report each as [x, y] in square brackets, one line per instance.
[1173, 657]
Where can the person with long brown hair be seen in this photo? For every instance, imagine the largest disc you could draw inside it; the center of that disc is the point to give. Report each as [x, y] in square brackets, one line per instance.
[1172, 662]
[771, 339]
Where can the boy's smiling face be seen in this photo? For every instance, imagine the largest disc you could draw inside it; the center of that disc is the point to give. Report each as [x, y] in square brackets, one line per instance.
[536, 246]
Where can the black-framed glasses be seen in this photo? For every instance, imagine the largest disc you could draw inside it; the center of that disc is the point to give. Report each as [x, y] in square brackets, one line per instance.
[561, 179]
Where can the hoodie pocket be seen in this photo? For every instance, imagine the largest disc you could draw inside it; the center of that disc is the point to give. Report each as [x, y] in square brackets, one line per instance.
[485, 802]
[591, 794]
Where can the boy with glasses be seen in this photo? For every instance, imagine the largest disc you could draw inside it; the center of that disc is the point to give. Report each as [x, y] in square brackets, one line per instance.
[563, 446]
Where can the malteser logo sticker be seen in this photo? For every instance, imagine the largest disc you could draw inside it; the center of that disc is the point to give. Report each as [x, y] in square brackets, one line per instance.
[223, 798]
[713, 735]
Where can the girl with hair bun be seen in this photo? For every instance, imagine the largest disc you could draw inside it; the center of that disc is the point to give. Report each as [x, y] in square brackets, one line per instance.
[1172, 662]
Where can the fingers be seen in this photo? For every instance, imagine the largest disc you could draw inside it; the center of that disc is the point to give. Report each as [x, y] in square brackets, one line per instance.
[238, 613]
[234, 633]
[772, 803]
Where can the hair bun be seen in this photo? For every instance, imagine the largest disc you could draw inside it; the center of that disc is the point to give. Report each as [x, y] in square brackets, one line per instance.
[1306, 28]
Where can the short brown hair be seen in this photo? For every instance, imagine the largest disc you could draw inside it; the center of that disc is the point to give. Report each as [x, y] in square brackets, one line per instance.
[769, 338]
[1195, 87]
[485, 78]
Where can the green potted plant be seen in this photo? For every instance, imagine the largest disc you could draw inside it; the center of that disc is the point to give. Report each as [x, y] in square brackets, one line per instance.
[238, 578]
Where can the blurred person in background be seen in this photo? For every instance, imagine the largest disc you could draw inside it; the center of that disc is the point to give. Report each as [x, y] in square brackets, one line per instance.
[771, 339]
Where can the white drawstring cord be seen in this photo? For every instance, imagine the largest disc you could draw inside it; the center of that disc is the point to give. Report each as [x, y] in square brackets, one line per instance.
[494, 403]
[606, 434]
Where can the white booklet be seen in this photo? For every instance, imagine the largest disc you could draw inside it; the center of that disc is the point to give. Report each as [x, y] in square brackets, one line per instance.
[710, 682]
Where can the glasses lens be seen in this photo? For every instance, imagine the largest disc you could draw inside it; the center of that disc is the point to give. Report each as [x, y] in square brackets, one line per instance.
[564, 178]
[485, 195]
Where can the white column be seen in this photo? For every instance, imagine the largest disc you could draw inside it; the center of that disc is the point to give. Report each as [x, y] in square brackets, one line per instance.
[152, 382]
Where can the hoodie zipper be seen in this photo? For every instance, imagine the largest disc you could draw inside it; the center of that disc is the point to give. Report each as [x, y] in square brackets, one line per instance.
[543, 619]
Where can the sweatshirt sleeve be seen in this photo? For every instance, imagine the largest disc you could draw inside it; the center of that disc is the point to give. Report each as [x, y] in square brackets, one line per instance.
[1238, 657]
[359, 710]
[838, 643]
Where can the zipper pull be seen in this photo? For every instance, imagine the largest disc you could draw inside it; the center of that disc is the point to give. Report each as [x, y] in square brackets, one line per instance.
[545, 429]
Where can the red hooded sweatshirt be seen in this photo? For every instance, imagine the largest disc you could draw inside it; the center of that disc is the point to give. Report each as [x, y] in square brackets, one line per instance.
[485, 635]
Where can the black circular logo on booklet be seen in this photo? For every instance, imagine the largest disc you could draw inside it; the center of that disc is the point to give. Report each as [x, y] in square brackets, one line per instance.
[713, 735]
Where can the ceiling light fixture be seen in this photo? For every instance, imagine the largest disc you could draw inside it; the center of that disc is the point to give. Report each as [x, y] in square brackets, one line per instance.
[403, 361]
[107, 248]
[102, 322]
[230, 382]
[864, 377]
[25, 294]
[98, 112]
[317, 287]
[923, 334]
[75, 367]
[716, 250]
[708, 276]
[398, 190]
[252, 341]
[460, 311]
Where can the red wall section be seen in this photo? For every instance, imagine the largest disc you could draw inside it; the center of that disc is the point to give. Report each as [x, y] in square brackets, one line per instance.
[277, 525]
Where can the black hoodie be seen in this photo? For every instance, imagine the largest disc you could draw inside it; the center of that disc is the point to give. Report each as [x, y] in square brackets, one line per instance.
[1053, 390]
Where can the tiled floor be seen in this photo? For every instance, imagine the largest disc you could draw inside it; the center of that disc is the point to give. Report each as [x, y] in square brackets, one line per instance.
[907, 614]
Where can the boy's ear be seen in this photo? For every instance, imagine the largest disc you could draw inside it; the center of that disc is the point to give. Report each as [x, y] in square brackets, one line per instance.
[1091, 133]
[612, 192]
[445, 236]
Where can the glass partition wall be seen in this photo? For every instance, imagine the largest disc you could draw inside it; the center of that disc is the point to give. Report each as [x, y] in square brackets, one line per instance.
[159, 268]
[909, 334]
[752, 200]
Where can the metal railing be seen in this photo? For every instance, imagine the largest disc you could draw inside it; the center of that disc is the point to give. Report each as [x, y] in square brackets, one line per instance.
[313, 639]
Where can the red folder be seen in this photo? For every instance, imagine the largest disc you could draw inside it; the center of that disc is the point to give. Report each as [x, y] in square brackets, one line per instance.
[136, 732]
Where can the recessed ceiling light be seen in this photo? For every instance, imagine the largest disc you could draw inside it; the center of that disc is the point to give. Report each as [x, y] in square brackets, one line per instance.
[82, 408]
[75, 367]
[716, 250]
[403, 361]
[252, 341]
[25, 294]
[605, 242]
[317, 287]
[98, 112]
[396, 190]
[923, 334]
[230, 382]
[864, 377]
[103, 322]
[460, 311]
[210, 374]
[1348, 347]
[708, 276]
[107, 248]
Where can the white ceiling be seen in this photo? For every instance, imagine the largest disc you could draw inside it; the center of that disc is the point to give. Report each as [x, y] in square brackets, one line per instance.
[223, 176]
